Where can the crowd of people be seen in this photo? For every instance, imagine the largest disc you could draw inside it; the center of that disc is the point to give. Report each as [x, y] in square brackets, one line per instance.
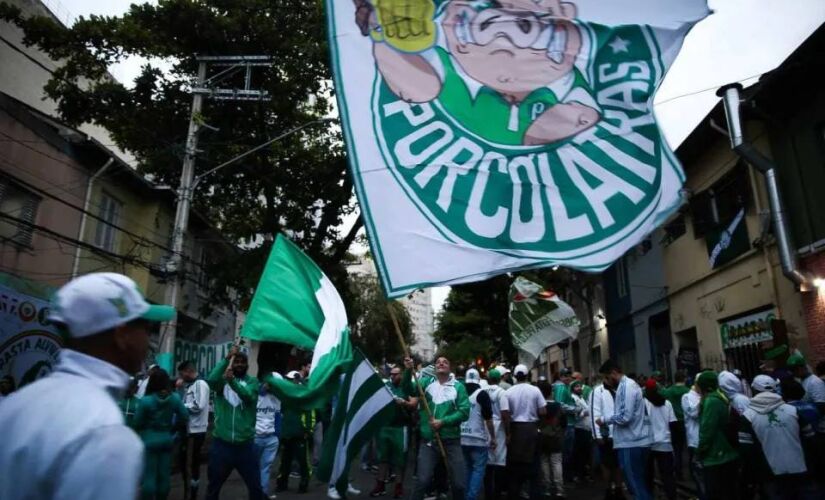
[725, 436]
[498, 435]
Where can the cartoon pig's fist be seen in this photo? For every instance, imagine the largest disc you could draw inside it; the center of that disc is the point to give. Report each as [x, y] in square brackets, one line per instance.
[405, 25]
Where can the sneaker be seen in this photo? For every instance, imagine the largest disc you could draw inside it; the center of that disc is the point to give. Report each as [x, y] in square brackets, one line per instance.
[379, 490]
[399, 491]
[352, 490]
[333, 493]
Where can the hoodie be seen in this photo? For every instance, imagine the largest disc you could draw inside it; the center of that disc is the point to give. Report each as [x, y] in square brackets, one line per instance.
[714, 447]
[448, 402]
[153, 420]
[631, 423]
[236, 405]
[732, 387]
[776, 427]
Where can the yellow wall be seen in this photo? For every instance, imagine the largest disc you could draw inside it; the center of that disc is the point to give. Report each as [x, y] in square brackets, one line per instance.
[700, 297]
[147, 218]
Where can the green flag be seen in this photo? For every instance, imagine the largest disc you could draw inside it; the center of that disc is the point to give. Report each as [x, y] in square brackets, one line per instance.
[538, 319]
[295, 303]
[363, 406]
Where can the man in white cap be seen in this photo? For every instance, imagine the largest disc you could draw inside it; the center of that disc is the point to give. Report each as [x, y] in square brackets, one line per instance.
[526, 406]
[774, 426]
[65, 436]
[506, 377]
[196, 401]
[477, 433]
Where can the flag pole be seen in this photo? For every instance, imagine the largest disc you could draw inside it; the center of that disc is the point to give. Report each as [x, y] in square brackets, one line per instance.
[421, 394]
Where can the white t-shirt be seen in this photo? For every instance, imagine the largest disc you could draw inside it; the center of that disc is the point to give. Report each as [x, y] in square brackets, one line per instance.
[660, 419]
[691, 401]
[815, 393]
[524, 401]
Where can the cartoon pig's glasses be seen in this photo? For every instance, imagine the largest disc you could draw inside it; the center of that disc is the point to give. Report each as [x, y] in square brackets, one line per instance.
[523, 29]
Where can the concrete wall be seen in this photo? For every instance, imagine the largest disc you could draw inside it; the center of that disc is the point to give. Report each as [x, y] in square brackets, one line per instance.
[701, 297]
[26, 156]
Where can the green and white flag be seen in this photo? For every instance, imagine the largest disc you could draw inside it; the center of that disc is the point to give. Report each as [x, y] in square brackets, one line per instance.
[295, 303]
[364, 405]
[489, 136]
[538, 319]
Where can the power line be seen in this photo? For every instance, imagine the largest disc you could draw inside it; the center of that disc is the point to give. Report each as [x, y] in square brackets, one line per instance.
[65, 190]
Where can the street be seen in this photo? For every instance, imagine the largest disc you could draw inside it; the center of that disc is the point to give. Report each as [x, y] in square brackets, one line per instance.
[234, 488]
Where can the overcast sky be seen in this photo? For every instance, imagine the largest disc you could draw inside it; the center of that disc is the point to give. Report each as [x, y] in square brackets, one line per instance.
[741, 40]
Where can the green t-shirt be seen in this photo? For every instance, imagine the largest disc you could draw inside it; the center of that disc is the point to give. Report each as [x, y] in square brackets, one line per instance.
[674, 394]
[488, 114]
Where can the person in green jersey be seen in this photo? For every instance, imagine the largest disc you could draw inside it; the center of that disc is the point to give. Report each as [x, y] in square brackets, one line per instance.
[158, 412]
[392, 439]
[504, 70]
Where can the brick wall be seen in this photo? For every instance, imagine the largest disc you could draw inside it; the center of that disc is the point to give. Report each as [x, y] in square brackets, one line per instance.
[813, 304]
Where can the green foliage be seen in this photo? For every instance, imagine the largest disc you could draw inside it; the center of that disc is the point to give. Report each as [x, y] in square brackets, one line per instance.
[373, 331]
[298, 185]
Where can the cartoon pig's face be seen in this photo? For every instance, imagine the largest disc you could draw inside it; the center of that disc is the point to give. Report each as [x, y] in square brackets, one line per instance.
[516, 47]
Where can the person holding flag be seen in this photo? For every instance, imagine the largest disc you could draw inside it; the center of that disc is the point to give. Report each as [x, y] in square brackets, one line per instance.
[441, 413]
[233, 445]
[392, 438]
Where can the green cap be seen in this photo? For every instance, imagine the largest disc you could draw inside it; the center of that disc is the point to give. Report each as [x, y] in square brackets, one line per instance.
[494, 374]
[708, 381]
[795, 360]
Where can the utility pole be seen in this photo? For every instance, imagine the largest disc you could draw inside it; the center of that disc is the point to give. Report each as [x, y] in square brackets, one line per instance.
[175, 264]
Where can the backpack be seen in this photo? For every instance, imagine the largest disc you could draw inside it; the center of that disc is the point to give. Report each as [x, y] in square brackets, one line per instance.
[733, 426]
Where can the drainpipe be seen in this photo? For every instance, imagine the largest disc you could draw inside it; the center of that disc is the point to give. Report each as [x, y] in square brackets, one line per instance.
[85, 215]
[787, 255]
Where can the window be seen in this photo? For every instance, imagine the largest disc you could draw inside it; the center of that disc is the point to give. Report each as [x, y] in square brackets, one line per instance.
[202, 268]
[110, 214]
[621, 278]
[20, 206]
[718, 205]
[674, 230]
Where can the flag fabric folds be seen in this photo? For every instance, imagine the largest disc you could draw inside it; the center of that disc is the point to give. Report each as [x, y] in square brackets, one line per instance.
[295, 303]
[538, 319]
[364, 404]
[486, 137]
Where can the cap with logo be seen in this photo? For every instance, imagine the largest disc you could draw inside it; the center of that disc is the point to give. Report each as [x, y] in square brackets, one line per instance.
[520, 370]
[764, 383]
[472, 376]
[97, 302]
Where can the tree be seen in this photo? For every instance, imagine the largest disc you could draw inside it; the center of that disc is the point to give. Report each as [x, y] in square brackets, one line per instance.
[298, 186]
[373, 330]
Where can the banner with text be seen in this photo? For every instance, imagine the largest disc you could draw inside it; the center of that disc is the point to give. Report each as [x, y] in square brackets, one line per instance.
[29, 343]
[489, 136]
[204, 356]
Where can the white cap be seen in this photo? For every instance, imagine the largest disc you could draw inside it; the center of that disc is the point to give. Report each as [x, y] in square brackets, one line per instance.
[472, 376]
[502, 369]
[764, 383]
[520, 369]
[98, 302]
[277, 375]
[293, 375]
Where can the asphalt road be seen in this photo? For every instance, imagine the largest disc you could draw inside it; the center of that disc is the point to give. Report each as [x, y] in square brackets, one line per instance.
[234, 488]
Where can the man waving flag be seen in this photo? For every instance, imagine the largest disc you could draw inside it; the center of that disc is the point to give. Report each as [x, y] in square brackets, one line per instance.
[295, 303]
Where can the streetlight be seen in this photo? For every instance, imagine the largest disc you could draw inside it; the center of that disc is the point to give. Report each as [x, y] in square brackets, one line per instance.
[184, 201]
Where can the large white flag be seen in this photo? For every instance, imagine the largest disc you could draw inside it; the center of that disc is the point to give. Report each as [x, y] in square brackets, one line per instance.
[493, 135]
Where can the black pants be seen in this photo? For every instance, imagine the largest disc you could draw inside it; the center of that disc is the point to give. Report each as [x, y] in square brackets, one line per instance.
[583, 443]
[189, 462]
[679, 440]
[663, 461]
[721, 481]
[293, 449]
[494, 482]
